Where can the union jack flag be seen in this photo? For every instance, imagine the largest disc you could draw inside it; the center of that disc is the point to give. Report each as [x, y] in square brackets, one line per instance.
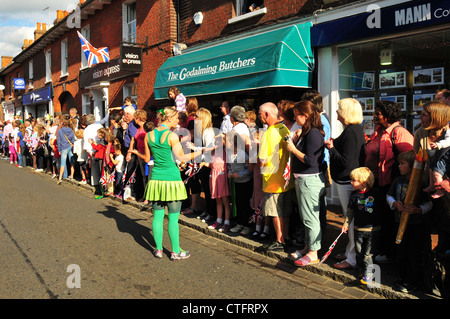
[192, 170]
[257, 216]
[93, 55]
[103, 179]
[287, 173]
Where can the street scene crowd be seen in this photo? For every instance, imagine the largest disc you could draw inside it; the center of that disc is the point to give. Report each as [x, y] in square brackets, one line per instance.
[265, 173]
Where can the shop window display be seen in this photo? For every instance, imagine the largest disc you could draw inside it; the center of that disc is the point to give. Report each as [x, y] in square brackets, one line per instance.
[407, 70]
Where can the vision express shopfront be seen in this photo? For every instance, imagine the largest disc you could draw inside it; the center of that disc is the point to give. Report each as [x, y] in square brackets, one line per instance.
[268, 65]
[398, 52]
[97, 79]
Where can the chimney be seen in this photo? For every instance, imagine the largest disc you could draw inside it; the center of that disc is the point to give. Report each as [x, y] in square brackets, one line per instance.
[38, 32]
[6, 60]
[44, 27]
[59, 16]
[26, 44]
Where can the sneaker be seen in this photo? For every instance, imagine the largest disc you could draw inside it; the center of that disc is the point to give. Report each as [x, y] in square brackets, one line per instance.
[158, 253]
[215, 225]
[207, 218]
[183, 254]
[39, 170]
[275, 246]
[382, 259]
[245, 231]
[224, 228]
[58, 182]
[237, 228]
[202, 215]
[405, 287]
[83, 183]
[53, 176]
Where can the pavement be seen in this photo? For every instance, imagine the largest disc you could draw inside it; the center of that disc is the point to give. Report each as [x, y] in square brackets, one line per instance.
[348, 278]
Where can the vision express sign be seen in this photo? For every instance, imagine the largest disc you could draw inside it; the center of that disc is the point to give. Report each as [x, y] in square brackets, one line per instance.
[129, 63]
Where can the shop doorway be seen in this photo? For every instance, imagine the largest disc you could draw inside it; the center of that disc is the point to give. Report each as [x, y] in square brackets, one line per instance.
[67, 102]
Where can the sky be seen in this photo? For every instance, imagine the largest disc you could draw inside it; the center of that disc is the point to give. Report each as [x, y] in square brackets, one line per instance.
[18, 20]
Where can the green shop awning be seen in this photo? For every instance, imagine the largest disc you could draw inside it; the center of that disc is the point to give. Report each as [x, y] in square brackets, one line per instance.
[277, 58]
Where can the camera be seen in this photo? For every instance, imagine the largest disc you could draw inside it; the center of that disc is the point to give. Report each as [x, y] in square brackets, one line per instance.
[287, 138]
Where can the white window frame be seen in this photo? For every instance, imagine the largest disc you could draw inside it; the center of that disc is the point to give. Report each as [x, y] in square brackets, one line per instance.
[64, 58]
[86, 104]
[128, 36]
[86, 33]
[48, 66]
[243, 16]
[130, 90]
[30, 70]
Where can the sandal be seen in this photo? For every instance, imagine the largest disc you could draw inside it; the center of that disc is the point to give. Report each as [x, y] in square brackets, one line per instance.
[305, 260]
[296, 255]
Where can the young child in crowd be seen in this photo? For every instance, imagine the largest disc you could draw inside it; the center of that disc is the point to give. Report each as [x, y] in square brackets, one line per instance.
[241, 179]
[178, 98]
[365, 207]
[416, 242]
[82, 156]
[438, 168]
[97, 161]
[218, 184]
[108, 167]
[118, 160]
[56, 163]
[12, 150]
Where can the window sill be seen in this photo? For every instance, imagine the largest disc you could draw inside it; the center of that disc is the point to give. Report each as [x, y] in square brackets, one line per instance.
[247, 15]
[64, 75]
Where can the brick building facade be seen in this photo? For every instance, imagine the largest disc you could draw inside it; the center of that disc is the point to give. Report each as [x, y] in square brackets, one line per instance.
[158, 26]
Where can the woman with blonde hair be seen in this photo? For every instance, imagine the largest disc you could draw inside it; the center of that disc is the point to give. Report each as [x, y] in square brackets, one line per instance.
[204, 139]
[347, 153]
[165, 187]
[434, 137]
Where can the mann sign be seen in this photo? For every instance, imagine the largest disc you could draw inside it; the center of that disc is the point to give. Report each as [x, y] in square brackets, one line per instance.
[377, 21]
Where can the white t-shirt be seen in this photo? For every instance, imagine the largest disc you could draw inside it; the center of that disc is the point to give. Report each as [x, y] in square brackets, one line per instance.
[119, 166]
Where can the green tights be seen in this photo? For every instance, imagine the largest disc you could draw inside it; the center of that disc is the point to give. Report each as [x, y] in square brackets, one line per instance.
[173, 229]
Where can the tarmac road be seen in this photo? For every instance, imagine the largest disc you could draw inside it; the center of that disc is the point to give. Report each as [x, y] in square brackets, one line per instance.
[51, 233]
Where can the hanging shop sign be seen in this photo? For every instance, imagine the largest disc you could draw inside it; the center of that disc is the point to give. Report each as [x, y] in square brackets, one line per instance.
[131, 58]
[19, 83]
[104, 72]
[38, 96]
[378, 21]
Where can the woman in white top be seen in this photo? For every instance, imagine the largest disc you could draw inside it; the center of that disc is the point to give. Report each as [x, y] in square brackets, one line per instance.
[204, 140]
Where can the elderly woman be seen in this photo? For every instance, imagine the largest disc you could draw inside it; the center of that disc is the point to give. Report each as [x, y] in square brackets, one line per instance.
[381, 156]
[307, 150]
[347, 153]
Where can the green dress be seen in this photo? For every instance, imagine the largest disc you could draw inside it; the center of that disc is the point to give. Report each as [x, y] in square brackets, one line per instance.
[165, 183]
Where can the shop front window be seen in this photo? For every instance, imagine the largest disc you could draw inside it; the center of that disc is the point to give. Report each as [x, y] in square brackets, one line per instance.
[407, 70]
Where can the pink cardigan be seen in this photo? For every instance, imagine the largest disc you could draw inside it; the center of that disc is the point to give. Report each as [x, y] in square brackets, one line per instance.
[404, 142]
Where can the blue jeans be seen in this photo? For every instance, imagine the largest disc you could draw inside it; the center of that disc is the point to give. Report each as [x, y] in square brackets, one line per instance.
[66, 154]
[366, 244]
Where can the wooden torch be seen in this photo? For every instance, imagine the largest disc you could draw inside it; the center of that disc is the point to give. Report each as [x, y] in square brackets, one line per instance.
[415, 184]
